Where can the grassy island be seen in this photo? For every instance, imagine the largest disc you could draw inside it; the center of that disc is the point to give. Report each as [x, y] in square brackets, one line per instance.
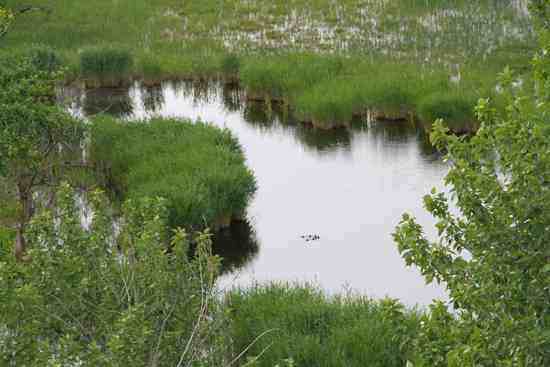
[200, 169]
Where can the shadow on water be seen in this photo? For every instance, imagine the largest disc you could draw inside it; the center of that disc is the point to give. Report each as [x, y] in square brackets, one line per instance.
[236, 245]
[276, 117]
[113, 101]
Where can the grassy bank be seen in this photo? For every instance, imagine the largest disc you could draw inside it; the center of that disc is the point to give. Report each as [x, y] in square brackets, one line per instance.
[198, 168]
[339, 58]
[302, 324]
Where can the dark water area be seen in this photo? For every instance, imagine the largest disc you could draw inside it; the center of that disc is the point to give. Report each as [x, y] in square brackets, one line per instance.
[327, 201]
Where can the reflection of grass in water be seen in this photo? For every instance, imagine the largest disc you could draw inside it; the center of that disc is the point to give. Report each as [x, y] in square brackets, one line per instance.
[152, 98]
[113, 101]
[323, 141]
[236, 245]
[233, 97]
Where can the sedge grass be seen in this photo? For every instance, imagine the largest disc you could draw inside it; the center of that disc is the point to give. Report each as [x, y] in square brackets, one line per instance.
[317, 330]
[106, 65]
[198, 168]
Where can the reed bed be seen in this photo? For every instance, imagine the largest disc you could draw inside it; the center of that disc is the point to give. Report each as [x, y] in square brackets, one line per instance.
[301, 323]
[198, 168]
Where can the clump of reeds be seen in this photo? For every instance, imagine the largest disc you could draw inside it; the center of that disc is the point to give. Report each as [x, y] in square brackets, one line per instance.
[286, 76]
[230, 67]
[150, 69]
[329, 104]
[455, 108]
[199, 168]
[106, 66]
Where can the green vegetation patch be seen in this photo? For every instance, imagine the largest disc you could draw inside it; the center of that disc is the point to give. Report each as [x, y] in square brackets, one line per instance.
[200, 169]
[108, 65]
[312, 329]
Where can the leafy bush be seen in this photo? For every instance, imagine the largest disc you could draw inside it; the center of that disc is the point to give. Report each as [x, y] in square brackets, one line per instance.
[90, 298]
[493, 255]
[198, 168]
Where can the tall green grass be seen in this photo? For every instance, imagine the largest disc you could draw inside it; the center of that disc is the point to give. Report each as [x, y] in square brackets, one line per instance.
[281, 321]
[284, 76]
[200, 169]
[106, 65]
[456, 110]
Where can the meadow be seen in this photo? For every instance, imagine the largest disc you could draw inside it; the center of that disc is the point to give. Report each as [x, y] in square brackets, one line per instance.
[328, 60]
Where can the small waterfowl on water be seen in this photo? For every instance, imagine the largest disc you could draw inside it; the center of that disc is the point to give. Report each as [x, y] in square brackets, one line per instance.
[311, 237]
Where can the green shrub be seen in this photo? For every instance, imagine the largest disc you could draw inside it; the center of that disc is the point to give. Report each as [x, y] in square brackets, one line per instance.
[200, 169]
[302, 323]
[91, 298]
[107, 64]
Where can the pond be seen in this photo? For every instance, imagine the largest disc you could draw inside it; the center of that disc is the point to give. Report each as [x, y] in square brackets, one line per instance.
[327, 201]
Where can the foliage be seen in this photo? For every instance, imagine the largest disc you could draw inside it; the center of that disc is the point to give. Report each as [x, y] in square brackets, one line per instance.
[95, 298]
[6, 19]
[44, 58]
[200, 169]
[493, 254]
[299, 322]
[38, 140]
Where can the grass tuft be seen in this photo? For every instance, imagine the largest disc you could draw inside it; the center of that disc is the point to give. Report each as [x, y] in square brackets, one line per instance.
[108, 65]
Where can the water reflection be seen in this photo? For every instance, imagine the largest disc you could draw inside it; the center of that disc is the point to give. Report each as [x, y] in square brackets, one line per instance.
[152, 98]
[349, 186]
[236, 245]
[113, 101]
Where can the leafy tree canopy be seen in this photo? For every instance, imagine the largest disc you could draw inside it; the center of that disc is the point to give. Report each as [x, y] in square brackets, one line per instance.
[494, 254]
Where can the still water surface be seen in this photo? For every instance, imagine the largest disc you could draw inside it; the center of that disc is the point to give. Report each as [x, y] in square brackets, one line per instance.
[347, 187]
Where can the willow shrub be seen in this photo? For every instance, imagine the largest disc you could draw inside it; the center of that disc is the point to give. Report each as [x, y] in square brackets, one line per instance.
[95, 299]
[301, 323]
[199, 168]
[499, 180]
